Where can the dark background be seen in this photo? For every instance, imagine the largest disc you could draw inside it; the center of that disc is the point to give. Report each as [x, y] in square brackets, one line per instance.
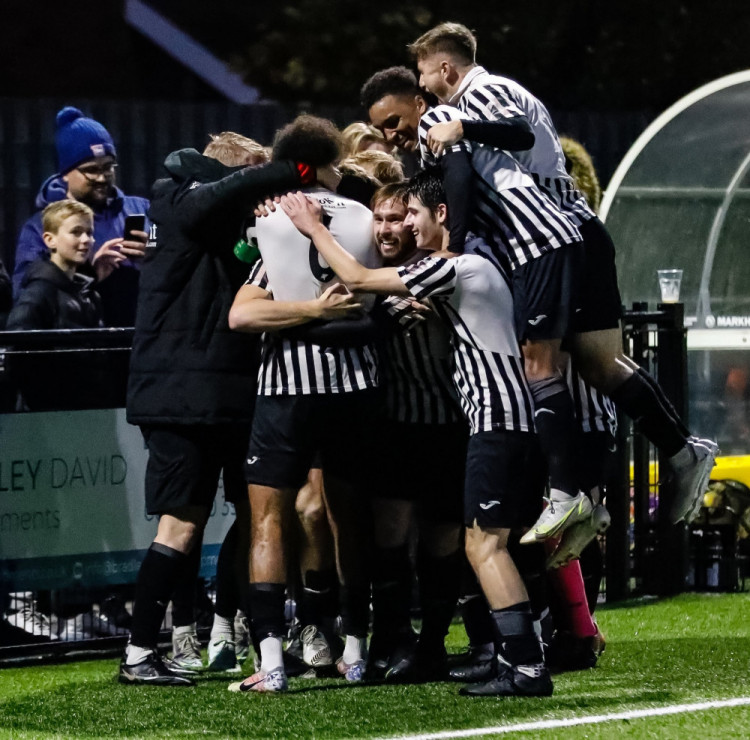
[605, 69]
[574, 54]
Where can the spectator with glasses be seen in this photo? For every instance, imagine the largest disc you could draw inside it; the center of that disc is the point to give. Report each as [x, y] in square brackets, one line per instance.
[87, 162]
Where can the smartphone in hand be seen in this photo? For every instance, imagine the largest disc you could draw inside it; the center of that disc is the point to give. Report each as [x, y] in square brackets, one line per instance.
[136, 222]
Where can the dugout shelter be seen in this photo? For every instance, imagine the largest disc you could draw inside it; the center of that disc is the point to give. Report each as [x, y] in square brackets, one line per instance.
[681, 199]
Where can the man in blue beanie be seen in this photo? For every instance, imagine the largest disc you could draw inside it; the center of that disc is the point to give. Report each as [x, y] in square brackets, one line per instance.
[87, 163]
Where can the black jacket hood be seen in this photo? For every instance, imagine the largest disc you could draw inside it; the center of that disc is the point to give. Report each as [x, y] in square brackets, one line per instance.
[185, 166]
[190, 164]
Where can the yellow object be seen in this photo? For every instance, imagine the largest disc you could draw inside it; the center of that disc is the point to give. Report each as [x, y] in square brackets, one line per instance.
[712, 499]
[733, 467]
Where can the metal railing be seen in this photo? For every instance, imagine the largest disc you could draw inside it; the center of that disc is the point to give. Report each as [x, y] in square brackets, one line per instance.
[645, 553]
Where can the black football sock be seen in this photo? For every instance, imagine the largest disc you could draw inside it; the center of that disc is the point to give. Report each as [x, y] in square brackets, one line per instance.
[159, 572]
[319, 598]
[558, 432]
[267, 607]
[592, 569]
[638, 400]
[665, 402]
[530, 563]
[475, 610]
[227, 598]
[439, 587]
[516, 638]
[391, 591]
[183, 596]
[355, 610]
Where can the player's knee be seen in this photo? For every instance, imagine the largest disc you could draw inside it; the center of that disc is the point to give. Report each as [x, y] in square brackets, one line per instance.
[178, 534]
[605, 373]
[312, 513]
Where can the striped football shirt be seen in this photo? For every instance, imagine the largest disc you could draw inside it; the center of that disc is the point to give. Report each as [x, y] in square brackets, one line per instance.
[417, 368]
[487, 97]
[472, 296]
[510, 212]
[290, 367]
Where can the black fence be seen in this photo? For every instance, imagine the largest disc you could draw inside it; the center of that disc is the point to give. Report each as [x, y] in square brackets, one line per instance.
[58, 371]
[43, 371]
[645, 554]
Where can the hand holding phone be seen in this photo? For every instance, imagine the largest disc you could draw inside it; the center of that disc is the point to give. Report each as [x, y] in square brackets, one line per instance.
[134, 237]
[136, 222]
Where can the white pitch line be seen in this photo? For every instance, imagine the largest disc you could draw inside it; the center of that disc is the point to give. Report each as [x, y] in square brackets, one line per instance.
[574, 721]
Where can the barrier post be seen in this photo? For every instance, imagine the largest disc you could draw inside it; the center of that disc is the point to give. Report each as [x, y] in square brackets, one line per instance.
[673, 544]
[647, 546]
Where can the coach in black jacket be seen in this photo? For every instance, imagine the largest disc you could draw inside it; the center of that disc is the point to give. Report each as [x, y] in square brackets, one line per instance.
[192, 381]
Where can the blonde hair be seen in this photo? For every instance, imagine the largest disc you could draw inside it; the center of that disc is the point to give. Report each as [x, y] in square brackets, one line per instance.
[55, 213]
[233, 149]
[358, 135]
[580, 167]
[385, 168]
[449, 38]
[349, 167]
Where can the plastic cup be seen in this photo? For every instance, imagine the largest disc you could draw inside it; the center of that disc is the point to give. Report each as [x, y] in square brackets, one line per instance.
[669, 285]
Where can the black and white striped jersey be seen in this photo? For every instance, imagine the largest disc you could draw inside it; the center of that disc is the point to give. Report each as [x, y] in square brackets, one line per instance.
[595, 412]
[510, 212]
[416, 368]
[473, 297]
[290, 367]
[487, 97]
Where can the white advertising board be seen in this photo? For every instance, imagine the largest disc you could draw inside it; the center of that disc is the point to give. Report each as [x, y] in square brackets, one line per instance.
[72, 501]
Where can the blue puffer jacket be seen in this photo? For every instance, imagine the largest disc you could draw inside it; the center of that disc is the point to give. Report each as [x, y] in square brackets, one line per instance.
[119, 291]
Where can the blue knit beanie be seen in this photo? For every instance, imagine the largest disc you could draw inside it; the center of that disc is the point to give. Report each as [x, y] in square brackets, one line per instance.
[78, 138]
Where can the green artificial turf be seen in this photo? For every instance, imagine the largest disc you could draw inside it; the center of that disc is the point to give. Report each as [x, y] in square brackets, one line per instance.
[687, 649]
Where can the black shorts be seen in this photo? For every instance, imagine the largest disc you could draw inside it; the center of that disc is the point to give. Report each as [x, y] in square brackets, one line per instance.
[598, 295]
[545, 294]
[185, 462]
[505, 480]
[289, 431]
[424, 463]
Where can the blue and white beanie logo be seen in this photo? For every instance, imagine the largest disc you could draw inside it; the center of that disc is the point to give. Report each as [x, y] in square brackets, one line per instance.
[98, 150]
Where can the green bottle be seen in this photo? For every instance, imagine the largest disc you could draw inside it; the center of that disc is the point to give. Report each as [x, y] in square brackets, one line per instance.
[247, 252]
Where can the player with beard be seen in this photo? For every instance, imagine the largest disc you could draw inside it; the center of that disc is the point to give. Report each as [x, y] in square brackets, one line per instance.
[470, 293]
[422, 449]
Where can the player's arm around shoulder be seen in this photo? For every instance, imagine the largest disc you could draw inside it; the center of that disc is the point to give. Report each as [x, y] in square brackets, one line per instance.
[196, 202]
[254, 309]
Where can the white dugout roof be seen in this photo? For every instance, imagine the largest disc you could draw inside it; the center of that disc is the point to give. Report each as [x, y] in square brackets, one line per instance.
[681, 199]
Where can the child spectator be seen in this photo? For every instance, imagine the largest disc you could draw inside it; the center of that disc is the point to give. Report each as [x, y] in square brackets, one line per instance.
[55, 295]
